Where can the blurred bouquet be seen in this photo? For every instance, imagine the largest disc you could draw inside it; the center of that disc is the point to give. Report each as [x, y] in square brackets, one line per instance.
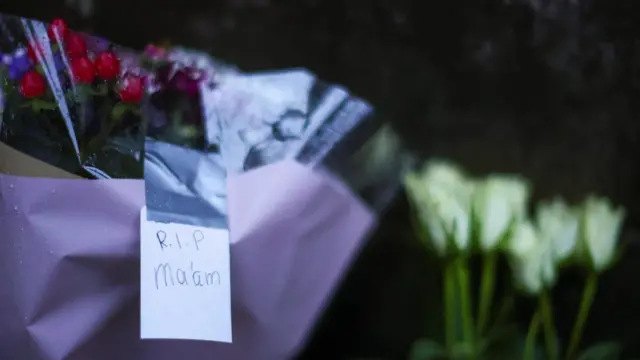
[458, 218]
[300, 170]
[70, 101]
[85, 105]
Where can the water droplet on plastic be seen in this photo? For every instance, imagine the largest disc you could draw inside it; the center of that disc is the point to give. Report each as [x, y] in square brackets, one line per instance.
[53, 191]
[10, 186]
[15, 208]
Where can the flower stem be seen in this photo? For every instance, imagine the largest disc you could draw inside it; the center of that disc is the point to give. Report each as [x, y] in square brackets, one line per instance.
[464, 291]
[450, 304]
[588, 293]
[532, 334]
[550, 337]
[487, 287]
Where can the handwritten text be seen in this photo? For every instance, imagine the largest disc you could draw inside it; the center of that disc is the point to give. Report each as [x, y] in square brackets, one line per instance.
[168, 276]
[196, 238]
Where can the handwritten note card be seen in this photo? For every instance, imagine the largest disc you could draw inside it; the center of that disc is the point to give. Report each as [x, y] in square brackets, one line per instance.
[185, 290]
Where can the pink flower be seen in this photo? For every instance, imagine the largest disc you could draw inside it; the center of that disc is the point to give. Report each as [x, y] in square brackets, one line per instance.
[155, 51]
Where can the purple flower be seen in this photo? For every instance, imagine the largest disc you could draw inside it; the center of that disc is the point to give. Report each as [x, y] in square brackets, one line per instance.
[185, 81]
[19, 65]
[97, 44]
[155, 52]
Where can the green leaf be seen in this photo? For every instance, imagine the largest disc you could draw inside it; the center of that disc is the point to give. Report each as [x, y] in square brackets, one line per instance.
[81, 94]
[39, 69]
[146, 62]
[120, 109]
[103, 89]
[38, 105]
[499, 333]
[462, 351]
[509, 346]
[87, 90]
[427, 350]
[602, 351]
[187, 131]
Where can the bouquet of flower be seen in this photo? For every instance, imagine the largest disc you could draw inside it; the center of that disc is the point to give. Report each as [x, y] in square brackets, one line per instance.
[286, 146]
[458, 218]
[71, 100]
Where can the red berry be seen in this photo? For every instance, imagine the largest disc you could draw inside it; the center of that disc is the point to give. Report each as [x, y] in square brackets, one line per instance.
[31, 51]
[58, 26]
[107, 65]
[131, 89]
[32, 85]
[75, 46]
[83, 70]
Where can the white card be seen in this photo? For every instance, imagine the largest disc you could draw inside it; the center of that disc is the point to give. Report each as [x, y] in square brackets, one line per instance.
[185, 290]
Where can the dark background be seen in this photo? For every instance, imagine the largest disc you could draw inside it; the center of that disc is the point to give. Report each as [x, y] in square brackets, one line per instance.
[545, 88]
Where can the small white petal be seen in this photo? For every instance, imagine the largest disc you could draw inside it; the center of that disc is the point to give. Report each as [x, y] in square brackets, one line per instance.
[443, 173]
[559, 224]
[523, 252]
[442, 197]
[548, 270]
[524, 240]
[532, 259]
[426, 209]
[498, 202]
[602, 225]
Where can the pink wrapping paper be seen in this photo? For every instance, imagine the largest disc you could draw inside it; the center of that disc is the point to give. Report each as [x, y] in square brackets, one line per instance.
[69, 256]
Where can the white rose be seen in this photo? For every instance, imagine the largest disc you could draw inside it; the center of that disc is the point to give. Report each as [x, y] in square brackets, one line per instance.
[442, 198]
[424, 208]
[499, 201]
[532, 259]
[559, 224]
[601, 229]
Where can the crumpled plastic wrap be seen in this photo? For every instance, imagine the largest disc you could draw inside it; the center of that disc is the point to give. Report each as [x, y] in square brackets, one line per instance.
[298, 170]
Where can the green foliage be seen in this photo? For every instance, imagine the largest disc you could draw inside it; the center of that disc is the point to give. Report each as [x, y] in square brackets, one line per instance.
[494, 223]
[427, 350]
[602, 351]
